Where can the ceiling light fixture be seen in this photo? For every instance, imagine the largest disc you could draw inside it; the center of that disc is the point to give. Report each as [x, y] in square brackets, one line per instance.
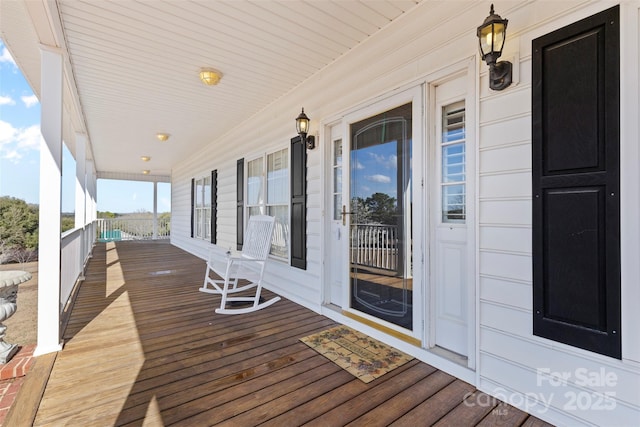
[146, 171]
[145, 158]
[210, 76]
[162, 136]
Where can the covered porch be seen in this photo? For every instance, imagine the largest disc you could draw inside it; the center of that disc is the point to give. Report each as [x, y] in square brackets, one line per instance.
[144, 347]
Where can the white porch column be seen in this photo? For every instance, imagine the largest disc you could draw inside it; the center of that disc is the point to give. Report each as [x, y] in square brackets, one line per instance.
[91, 192]
[81, 180]
[50, 201]
[155, 210]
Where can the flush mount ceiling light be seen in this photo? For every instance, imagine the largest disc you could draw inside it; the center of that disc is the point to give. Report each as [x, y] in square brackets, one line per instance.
[146, 171]
[162, 136]
[210, 76]
[145, 158]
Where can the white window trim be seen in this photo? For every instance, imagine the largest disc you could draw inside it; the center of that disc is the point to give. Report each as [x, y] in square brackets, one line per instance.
[205, 225]
[263, 205]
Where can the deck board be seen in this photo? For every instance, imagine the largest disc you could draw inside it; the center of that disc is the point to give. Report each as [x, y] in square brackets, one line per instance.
[144, 347]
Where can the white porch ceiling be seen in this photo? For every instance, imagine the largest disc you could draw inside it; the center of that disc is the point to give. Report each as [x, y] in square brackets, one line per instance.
[136, 64]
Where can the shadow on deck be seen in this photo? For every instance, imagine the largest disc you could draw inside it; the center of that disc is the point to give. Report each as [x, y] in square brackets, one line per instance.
[143, 346]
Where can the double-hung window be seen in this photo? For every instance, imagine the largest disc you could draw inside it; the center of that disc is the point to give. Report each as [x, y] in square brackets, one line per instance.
[202, 208]
[268, 194]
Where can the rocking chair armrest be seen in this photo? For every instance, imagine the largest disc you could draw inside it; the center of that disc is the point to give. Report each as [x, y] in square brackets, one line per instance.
[240, 259]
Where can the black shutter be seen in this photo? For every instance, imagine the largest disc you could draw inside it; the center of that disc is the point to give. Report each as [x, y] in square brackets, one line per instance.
[193, 190]
[240, 203]
[576, 184]
[298, 203]
[214, 205]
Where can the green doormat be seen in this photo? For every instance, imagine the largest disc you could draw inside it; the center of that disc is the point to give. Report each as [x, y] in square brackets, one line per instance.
[355, 352]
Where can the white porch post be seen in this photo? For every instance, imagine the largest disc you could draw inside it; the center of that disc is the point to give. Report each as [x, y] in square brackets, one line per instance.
[50, 202]
[155, 210]
[81, 180]
[91, 192]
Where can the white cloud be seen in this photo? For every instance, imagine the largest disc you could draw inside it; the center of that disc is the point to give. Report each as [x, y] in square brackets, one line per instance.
[6, 56]
[29, 138]
[7, 100]
[7, 132]
[390, 162]
[358, 165]
[379, 178]
[29, 101]
[14, 142]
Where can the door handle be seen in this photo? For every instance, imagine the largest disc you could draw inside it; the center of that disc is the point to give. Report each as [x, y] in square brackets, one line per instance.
[344, 212]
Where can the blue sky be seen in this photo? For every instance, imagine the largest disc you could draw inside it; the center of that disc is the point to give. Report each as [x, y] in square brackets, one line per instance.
[20, 154]
[375, 170]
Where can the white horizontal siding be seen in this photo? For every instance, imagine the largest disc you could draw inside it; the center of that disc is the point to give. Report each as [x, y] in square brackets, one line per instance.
[509, 354]
[510, 292]
[505, 185]
[622, 381]
[515, 157]
[417, 45]
[506, 213]
[514, 129]
[513, 239]
[564, 405]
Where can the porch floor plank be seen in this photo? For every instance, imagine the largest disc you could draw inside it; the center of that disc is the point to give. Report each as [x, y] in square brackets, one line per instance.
[144, 347]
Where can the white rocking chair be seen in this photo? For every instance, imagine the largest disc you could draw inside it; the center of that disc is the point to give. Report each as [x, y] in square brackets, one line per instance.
[248, 266]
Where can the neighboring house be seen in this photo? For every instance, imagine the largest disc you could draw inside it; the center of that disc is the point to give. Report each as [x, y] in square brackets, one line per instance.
[492, 234]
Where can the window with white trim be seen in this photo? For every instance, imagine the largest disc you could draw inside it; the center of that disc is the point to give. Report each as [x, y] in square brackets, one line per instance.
[453, 153]
[202, 208]
[268, 194]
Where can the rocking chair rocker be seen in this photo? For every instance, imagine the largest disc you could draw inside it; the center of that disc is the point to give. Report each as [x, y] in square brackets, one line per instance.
[248, 266]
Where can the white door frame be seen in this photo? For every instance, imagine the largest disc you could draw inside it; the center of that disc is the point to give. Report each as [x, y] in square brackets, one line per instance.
[415, 95]
[466, 68]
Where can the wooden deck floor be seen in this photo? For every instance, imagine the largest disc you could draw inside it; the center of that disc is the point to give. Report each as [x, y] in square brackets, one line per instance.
[144, 347]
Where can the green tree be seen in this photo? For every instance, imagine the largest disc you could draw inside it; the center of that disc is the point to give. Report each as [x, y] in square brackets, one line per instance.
[381, 208]
[67, 223]
[106, 214]
[18, 230]
[359, 211]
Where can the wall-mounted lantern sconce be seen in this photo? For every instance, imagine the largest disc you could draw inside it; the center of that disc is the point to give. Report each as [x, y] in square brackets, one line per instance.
[492, 34]
[302, 126]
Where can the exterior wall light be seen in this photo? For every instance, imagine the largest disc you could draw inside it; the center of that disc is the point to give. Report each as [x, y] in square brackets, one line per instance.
[302, 126]
[492, 35]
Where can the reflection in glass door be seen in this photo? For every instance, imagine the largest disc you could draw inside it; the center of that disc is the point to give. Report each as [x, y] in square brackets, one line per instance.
[380, 248]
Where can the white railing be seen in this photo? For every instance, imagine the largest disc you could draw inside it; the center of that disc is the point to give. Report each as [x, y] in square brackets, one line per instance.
[114, 229]
[374, 245]
[76, 246]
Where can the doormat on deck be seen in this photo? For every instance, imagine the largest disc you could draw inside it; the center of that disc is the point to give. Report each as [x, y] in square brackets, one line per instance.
[355, 352]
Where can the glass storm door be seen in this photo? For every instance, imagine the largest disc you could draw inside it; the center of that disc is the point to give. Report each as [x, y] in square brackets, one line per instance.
[377, 214]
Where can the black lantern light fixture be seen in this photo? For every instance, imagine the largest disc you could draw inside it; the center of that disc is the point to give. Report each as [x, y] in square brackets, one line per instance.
[302, 126]
[492, 34]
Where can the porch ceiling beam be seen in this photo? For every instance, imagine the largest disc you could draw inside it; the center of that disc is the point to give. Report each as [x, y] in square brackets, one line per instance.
[133, 176]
